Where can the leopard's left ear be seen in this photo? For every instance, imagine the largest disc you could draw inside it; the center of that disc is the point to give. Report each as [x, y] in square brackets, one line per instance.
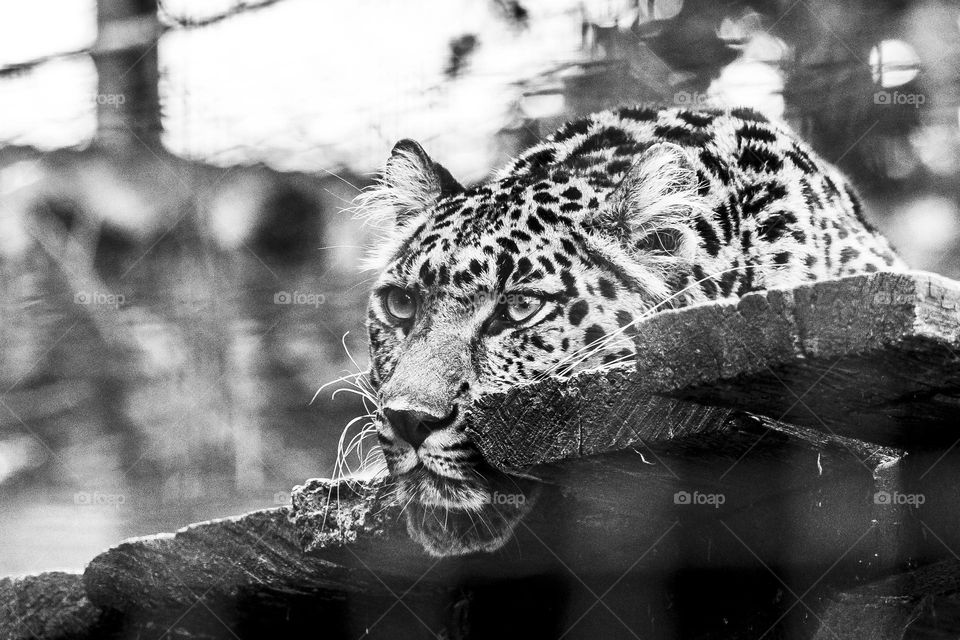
[410, 183]
[415, 182]
[652, 210]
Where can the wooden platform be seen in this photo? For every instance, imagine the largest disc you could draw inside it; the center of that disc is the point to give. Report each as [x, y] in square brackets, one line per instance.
[781, 464]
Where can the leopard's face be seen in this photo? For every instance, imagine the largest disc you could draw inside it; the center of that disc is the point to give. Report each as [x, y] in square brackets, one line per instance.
[484, 289]
[547, 270]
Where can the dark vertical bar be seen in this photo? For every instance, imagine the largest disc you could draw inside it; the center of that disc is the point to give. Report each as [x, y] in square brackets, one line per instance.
[125, 54]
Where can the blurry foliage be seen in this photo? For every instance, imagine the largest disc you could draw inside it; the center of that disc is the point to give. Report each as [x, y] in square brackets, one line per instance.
[513, 12]
[872, 85]
[460, 50]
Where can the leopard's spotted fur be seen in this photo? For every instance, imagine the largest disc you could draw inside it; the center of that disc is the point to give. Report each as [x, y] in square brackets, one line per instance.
[615, 215]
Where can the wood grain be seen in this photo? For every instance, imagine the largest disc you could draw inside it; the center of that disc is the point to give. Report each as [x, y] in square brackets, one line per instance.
[753, 438]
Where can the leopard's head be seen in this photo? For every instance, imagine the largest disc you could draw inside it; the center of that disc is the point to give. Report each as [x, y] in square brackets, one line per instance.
[536, 273]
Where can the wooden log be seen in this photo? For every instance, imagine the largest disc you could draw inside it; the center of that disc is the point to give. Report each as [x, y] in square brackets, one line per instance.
[657, 472]
[248, 575]
[873, 357]
[923, 603]
[757, 476]
[249, 572]
[48, 605]
[813, 508]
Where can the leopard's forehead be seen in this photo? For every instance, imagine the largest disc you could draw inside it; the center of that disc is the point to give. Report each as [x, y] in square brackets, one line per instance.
[509, 232]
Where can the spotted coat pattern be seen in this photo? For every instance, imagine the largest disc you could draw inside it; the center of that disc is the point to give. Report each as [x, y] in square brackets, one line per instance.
[756, 208]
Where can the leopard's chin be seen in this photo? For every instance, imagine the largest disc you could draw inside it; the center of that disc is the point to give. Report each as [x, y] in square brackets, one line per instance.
[453, 517]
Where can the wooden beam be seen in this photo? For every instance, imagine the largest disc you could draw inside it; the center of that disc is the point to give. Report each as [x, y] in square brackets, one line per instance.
[922, 603]
[125, 54]
[873, 357]
[48, 605]
[692, 467]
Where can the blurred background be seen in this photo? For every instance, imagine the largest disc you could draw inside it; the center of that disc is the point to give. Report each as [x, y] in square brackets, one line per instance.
[177, 273]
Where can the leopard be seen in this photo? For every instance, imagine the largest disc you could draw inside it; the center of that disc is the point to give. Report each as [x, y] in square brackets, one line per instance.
[549, 268]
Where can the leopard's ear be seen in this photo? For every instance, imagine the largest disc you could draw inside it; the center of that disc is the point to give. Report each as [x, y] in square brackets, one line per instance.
[411, 183]
[652, 210]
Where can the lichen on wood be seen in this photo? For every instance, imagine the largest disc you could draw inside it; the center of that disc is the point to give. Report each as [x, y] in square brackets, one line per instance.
[338, 512]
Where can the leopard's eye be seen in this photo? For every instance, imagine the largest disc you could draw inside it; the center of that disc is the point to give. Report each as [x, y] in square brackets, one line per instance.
[400, 304]
[521, 306]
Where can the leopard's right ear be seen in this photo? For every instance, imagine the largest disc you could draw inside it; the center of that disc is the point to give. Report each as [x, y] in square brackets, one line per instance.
[411, 183]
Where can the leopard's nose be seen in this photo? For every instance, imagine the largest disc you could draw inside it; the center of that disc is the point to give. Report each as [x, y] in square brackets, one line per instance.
[414, 426]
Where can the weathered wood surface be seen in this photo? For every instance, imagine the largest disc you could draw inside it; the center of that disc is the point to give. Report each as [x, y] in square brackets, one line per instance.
[816, 525]
[873, 357]
[213, 579]
[924, 603]
[618, 501]
[49, 605]
[833, 376]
